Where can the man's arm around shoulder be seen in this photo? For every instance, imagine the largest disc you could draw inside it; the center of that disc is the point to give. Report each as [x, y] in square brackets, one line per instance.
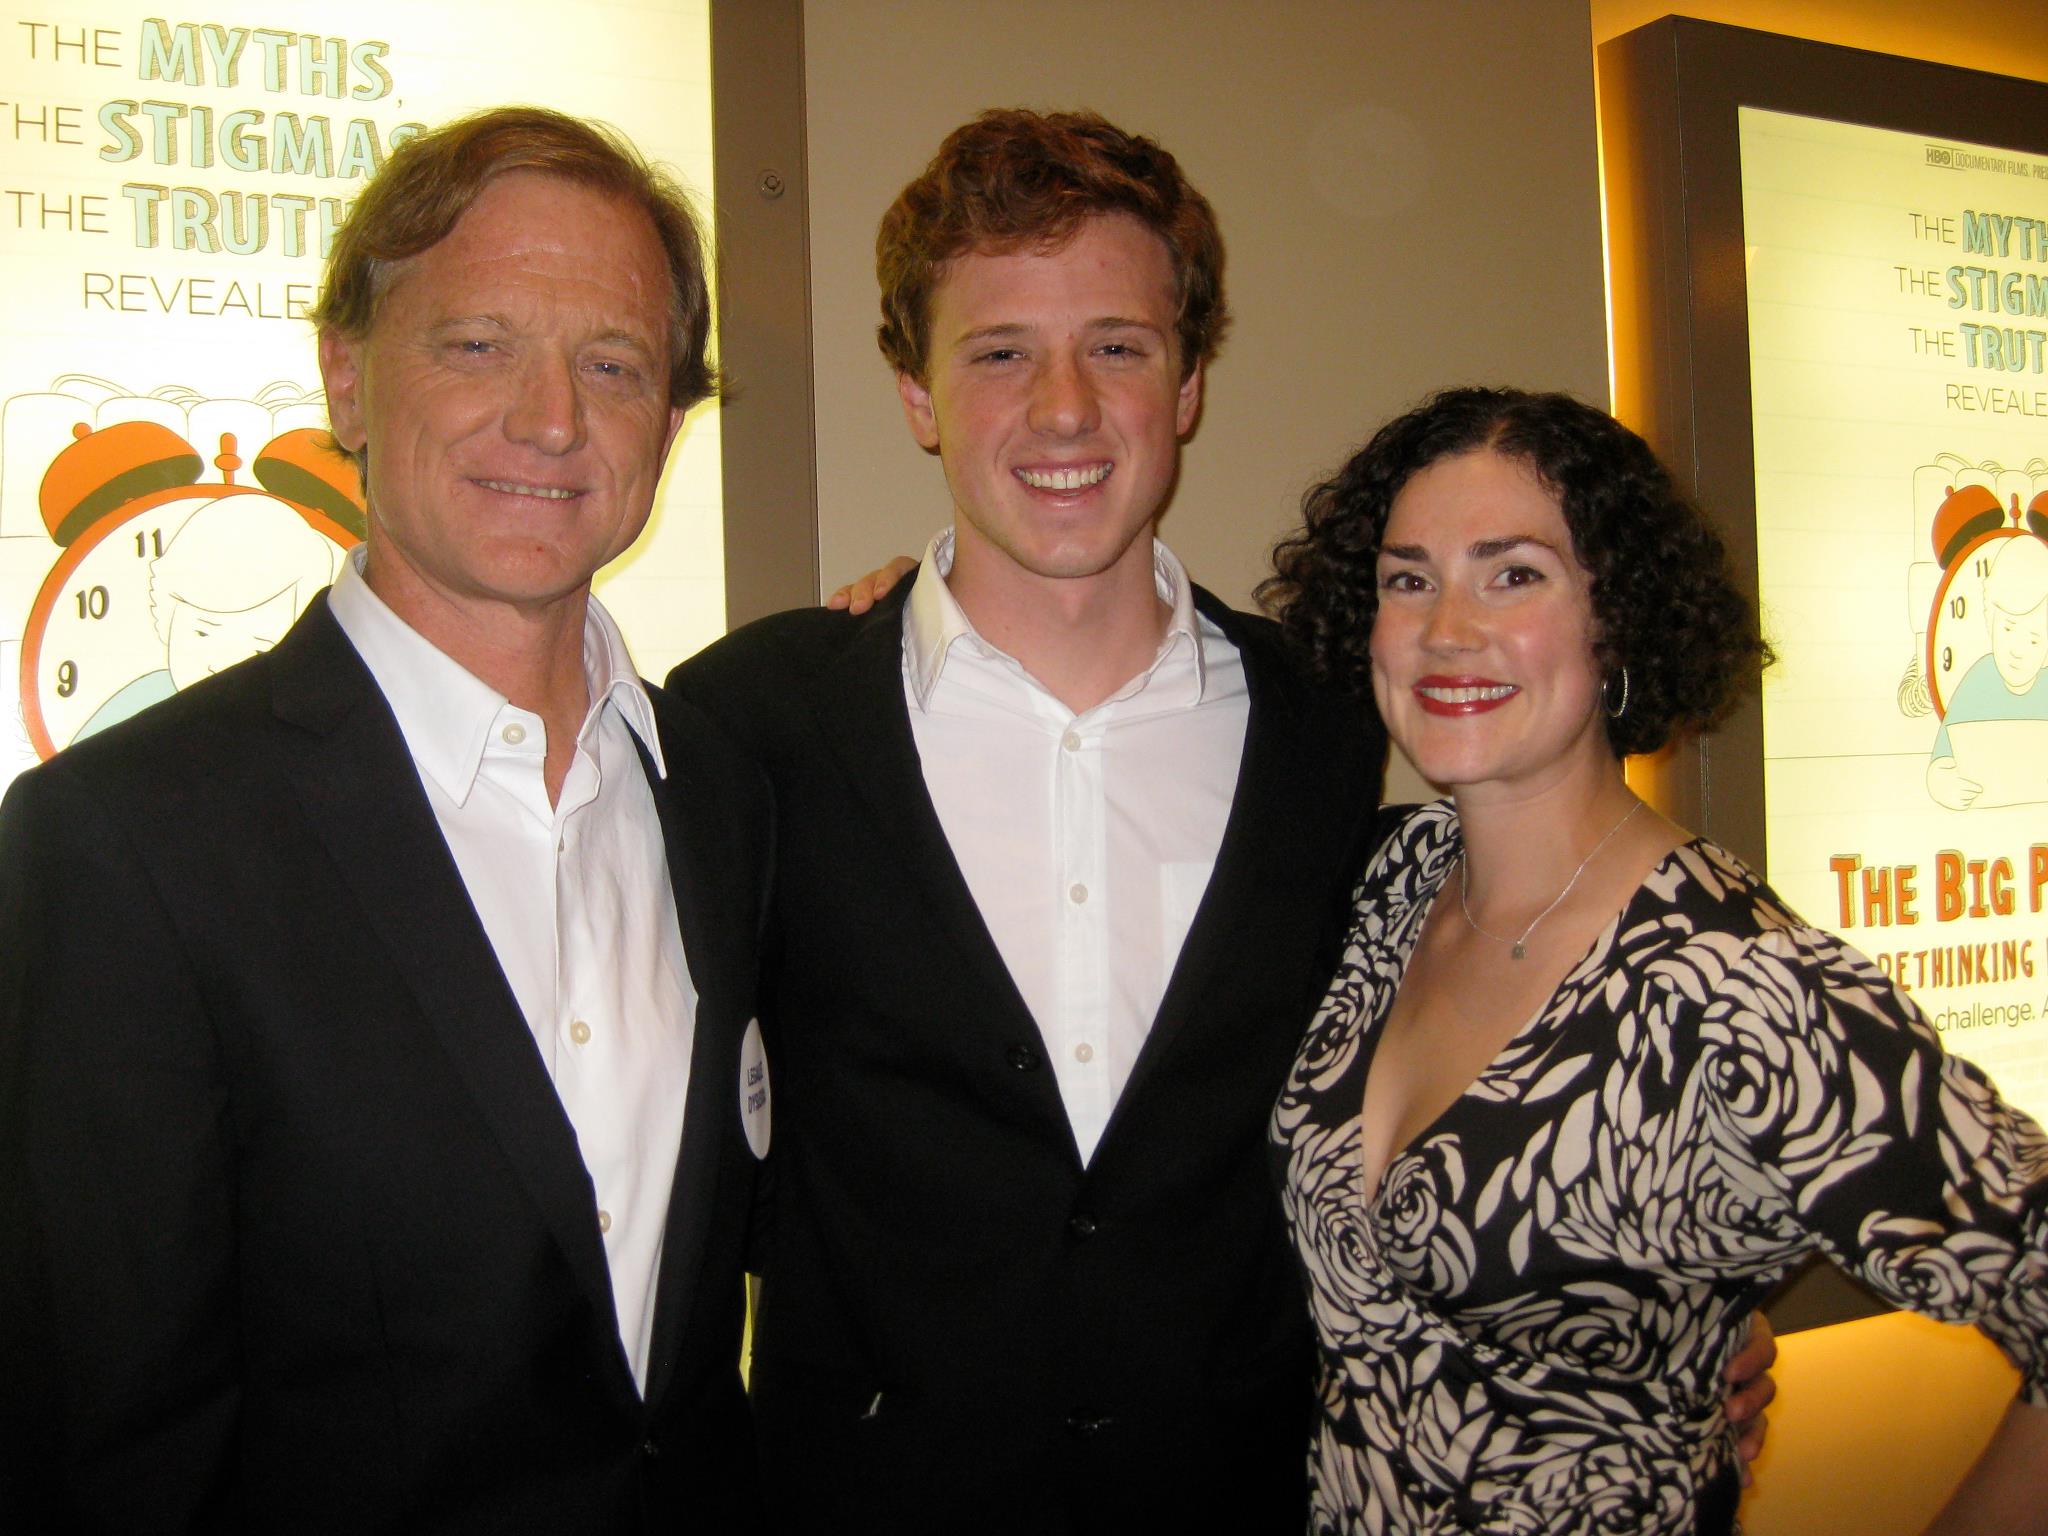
[758, 670]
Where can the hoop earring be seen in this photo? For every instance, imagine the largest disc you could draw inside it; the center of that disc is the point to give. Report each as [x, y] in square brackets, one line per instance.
[1615, 711]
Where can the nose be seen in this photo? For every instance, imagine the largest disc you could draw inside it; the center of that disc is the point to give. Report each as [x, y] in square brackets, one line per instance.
[1063, 402]
[1452, 623]
[547, 412]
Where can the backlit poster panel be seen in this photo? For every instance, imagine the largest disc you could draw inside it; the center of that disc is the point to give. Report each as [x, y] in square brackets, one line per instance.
[1898, 331]
[169, 184]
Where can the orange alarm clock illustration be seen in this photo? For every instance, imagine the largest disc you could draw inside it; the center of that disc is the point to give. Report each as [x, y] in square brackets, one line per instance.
[1986, 659]
[164, 578]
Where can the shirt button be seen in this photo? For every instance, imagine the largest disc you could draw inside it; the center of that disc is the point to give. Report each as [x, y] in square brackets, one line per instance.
[604, 1221]
[513, 734]
[580, 1032]
[1077, 893]
[1071, 741]
[1084, 1052]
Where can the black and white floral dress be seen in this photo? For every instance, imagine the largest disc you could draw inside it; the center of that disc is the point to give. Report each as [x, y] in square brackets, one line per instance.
[1524, 1331]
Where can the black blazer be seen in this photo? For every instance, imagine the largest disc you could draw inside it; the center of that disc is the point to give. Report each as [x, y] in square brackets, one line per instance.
[961, 1327]
[296, 1233]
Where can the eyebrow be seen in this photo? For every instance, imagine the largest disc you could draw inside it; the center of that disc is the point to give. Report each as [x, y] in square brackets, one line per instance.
[613, 336]
[456, 322]
[1485, 549]
[1010, 330]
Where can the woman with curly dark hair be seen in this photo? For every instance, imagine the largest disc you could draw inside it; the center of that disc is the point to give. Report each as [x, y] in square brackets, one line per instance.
[1583, 1089]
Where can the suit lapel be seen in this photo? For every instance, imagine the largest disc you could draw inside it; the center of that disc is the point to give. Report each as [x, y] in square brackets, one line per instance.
[718, 945]
[363, 799]
[865, 721]
[1262, 792]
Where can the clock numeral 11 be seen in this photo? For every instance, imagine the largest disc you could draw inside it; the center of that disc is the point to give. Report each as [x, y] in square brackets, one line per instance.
[149, 543]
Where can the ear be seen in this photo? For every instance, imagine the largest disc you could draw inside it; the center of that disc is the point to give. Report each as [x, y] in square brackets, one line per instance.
[1189, 405]
[341, 375]
[918, 412]
[675, 427]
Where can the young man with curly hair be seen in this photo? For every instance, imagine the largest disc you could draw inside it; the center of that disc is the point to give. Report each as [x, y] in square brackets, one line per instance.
[1065, 847]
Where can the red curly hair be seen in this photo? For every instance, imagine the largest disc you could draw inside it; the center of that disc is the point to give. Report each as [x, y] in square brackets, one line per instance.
[1014, 179]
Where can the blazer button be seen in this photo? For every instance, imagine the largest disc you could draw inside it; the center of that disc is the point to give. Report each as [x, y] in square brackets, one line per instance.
[1081, 1224]
[650, 1450]
[1023, 1058]
[1086, 1426]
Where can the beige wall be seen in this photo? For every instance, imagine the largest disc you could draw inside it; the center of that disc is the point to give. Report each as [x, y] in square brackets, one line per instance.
[1407, 191]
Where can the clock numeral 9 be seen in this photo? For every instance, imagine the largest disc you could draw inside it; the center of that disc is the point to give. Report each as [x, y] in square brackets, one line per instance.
[67, 679]
[92, 602]
[1948, 658]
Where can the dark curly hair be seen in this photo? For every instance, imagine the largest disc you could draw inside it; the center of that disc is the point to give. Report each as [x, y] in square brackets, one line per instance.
[1664, 605]
[1016, 180]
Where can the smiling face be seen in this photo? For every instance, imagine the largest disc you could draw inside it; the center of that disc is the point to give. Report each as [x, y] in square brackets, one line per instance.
[513, 395]
[1482, 649]
[1057, 403]
[2016, 607]
[2019, 642]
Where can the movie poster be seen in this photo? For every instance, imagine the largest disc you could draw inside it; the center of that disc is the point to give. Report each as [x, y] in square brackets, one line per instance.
[1898, 310]
[169, 185]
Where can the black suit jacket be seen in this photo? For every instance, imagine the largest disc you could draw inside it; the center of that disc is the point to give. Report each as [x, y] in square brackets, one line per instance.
[961, 1327]
[297, 1235]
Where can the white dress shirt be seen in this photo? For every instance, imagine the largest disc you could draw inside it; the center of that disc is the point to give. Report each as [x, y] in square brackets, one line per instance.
[576, 902]
[1087, 840]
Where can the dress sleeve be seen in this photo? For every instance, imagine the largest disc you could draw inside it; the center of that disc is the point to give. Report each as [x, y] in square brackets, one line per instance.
[1901, 1161]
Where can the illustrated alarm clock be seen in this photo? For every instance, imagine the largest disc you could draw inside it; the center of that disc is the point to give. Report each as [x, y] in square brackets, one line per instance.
[116, 500]
[1967, 531]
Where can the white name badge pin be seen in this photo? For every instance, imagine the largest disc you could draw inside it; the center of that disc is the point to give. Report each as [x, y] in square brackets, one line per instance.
[754, 1103]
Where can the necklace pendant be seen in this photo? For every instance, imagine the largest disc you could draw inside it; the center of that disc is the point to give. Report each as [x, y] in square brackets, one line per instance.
[1517, 952]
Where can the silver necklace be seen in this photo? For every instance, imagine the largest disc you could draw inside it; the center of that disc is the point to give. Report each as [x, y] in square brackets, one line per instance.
[1517, 948]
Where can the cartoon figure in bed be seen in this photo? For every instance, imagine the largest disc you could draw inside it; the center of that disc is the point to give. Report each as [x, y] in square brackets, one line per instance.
[1992, 748]
[226, 587]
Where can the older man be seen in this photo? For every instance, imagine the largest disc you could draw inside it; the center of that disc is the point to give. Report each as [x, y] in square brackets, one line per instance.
[373, 1016]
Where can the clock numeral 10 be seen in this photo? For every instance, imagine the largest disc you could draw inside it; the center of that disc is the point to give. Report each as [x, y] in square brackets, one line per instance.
[92, 601]
[67, 679]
